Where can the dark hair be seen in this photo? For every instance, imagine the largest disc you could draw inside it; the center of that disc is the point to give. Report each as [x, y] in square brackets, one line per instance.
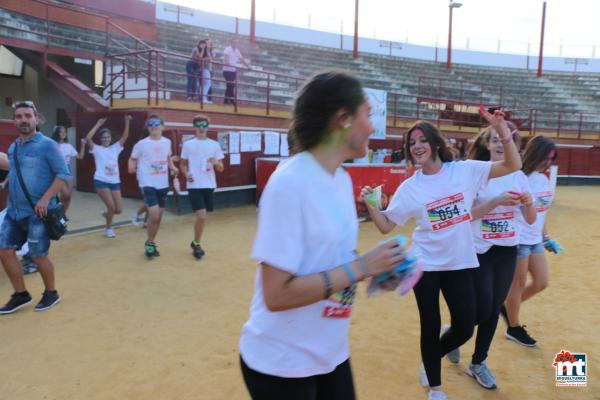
[56, 134]
[537, 151]
[25, 104]
[105, 130]
[434, 137]
[146, 132]
[321, 97]
[200, 118]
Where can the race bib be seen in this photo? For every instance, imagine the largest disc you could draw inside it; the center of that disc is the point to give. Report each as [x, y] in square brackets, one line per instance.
[343, 307]
[498, 225]
[158, 167]
[447, 212]
[543, 201]
[111, 169]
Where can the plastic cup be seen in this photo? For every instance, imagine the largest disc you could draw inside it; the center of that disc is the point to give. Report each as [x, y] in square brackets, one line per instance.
[374, 198]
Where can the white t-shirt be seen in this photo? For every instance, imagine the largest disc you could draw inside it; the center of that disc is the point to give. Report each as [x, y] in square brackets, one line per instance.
[441, 206]
[152, 162]
[542, 194]
[234, 58]
[198, 153]
[107, 162]
[499, 226]
[68, 151]
[307, 223]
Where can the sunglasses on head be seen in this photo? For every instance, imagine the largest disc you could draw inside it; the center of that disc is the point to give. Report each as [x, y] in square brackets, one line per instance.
[23, 104]
[153, 122]
[201, 124]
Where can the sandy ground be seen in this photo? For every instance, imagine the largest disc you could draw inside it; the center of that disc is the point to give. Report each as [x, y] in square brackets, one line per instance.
[129, 328]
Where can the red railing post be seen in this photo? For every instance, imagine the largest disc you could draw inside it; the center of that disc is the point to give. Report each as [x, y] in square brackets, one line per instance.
[124, 72]
[201, 78]
[136, 62]
[165, 84]
[112, 79]
[157, 78]
[418, 108]
[47, 26]
[106, 33]
[580, 125]
[558, 129]
[235, 92]
[395, 107]
[149, 84]
[268, 92]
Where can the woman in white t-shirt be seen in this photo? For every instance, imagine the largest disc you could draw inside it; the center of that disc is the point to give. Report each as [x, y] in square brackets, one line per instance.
[539, 154]
[495, 212]
[439, 197]
[107, 180]
[68, 151]
[295, 343]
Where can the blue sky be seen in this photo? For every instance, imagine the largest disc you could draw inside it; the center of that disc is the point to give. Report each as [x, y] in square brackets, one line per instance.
[478, 24]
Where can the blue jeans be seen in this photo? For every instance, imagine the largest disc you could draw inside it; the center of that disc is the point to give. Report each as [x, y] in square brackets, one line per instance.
[206, 83]
[14, 233]
[193, 70]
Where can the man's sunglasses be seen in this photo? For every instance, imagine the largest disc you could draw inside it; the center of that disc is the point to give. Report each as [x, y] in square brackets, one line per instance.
[153, 122]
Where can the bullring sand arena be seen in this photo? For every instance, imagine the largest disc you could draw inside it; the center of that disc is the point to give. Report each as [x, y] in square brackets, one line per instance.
[133, 329]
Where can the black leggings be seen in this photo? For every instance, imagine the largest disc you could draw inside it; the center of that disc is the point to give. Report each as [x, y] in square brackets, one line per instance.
[457, 288]
[492, 282]
[336, 385]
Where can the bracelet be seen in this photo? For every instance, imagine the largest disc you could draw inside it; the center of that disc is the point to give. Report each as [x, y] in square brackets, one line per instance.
[348, 270]
[327, 284]
[507, 139]
[363, 267]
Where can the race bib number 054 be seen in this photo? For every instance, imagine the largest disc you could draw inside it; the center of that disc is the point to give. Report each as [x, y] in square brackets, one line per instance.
[447, 212]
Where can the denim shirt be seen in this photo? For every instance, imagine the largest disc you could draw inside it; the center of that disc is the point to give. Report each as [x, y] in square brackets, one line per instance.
[40, 161]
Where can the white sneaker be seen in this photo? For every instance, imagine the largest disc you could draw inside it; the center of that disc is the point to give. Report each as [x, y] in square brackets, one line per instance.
[423, 377]
[454, 355]
[136, 220]
[110, 233]
[436, 395]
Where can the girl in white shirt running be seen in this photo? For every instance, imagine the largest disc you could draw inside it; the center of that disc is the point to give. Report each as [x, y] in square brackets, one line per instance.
[539, 154]
[495, 230]
[107, 181]
[68, 151]
[295, 343]
[439, 197]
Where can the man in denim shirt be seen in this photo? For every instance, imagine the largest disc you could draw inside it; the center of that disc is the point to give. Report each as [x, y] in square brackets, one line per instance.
[44, 173]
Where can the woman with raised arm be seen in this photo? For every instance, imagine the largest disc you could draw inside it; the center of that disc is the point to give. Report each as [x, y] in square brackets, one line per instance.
[439, 197]
[107, 180]
[295, 343]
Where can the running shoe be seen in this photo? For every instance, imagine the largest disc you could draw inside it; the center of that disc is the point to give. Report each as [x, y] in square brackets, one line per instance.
[150, 249]
[453, 355]
[482, 375]
[50, 298]
[423, 376]
[110, 233]
[519, 335]
[136, 219]
[17, 301]
[197, 250]
[436, 395]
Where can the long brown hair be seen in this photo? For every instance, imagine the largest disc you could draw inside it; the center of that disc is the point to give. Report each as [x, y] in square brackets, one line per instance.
[479, 150]
[434, 137]
[537, 151]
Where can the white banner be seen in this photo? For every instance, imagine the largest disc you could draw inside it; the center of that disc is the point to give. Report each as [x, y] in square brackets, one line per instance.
[378, 100]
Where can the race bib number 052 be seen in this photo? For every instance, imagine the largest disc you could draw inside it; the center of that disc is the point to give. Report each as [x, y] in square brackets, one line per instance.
[498, 226]
[447, 212]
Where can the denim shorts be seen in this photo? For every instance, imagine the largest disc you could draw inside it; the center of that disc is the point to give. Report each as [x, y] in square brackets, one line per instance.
[153, 196]
[14, 233]
[113, 187]
[525, 250]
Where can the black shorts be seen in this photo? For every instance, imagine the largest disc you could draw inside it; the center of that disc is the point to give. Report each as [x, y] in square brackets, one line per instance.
[155, 197]
[201, 199]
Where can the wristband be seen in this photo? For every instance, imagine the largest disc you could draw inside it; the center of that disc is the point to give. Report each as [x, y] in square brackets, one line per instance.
[363, 267]
[507, 139]
[348, 270]
[327, 284]
[545, 237]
